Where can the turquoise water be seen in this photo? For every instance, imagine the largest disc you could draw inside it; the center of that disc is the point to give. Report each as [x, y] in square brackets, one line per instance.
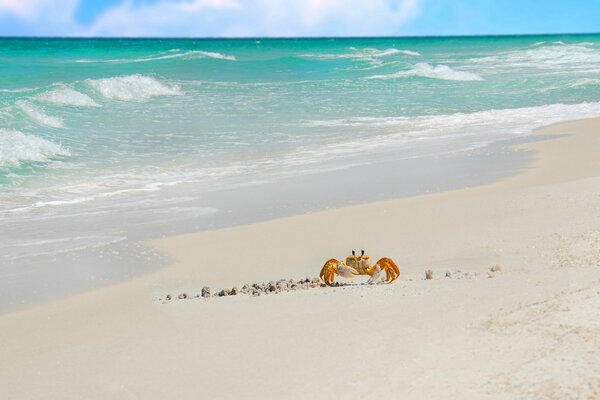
[102, 126]
[75, 110]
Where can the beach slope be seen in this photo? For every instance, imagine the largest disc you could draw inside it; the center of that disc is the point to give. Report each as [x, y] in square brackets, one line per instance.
[528, 329]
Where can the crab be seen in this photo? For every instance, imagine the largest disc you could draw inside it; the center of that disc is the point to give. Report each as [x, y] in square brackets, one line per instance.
[359, 265]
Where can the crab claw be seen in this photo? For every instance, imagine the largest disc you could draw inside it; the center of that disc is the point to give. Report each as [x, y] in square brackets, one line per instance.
[334, 267]
[391, 269]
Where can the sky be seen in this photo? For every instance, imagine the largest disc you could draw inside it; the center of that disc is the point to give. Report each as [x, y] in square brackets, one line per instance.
[282, 18]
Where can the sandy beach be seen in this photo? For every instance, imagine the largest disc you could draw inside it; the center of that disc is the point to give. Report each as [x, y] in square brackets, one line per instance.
[528, 330]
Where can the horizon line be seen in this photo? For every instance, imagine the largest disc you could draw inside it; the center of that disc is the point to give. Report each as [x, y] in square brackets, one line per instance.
[299, 37]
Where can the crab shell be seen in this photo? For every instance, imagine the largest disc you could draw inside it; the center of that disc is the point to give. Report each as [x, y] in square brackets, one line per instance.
[359, 263]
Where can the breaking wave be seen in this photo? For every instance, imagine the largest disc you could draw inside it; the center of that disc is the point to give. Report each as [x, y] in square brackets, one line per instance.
[67, 96]
[366, 54]
[426, 70]
[192, 54]
[512, 120]
[132, 87]
[171, 54]
[17, 147]
[38, 115]
[19, 90]
[486, 126]
[577, 56]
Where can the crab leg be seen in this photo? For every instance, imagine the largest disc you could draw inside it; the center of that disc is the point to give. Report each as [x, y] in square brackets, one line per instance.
[375, 276]
[334, 267]
[391, 269]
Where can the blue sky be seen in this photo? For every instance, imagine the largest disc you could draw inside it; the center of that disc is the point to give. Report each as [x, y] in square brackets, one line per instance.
[201, 18]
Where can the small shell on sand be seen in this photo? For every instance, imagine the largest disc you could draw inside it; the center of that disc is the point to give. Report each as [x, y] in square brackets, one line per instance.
[287, 285]
[257, 289]
[282, 284]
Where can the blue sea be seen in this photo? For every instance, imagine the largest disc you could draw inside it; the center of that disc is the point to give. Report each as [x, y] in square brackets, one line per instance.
[103, 141]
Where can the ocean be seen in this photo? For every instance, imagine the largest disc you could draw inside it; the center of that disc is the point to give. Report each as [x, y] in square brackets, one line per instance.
[104, 142]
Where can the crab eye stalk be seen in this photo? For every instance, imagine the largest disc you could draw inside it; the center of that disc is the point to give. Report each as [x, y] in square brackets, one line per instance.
[353, 253]
[362, 253]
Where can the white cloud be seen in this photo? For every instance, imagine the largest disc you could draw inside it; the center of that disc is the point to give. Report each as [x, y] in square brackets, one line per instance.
[21, 9]
[43, 17]
[256, 18]
[168, 18]
[218, 17]
[318, 17]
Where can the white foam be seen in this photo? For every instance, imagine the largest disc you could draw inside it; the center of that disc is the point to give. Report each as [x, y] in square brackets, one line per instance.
[401, 136]
[210, 54]
[552, 56]
[17, 147]
[368, 52]
[365, 54]
[518, 119]
[170, 54]
[132, 87]
[410, 52]
[20, 90]
[38, 115]
[188, 55]
[426, 70]
[67, 96]
[585, 82]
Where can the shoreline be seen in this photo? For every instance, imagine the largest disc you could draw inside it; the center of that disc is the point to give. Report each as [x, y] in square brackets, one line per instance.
[540, 171]
[521, 151]
[416, 338]
[35, 279]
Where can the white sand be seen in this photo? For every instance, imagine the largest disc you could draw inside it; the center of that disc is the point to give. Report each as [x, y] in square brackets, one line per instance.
[530, 331]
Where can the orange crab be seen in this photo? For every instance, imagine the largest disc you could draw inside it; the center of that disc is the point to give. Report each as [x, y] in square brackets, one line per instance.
[359, 265]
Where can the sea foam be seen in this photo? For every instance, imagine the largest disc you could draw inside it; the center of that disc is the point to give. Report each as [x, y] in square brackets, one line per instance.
[17, 147]
[369, 52]
[171, 54]
[585, 82]
[426, 70]
[38, 115]
[365, 54]
[132, 87]
[483, 127]
[510, 120]
[67, 96]
[192, 54]
[556, 55]
[19, 90]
